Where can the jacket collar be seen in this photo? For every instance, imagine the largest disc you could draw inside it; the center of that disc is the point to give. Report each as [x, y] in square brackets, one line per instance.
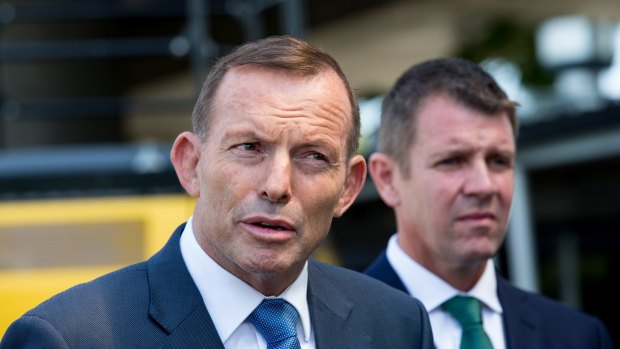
[382, 269]
[521, 320]
[330, 313]
[176, 304]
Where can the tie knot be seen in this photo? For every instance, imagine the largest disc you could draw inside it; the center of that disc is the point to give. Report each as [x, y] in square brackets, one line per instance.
[276, 320]
[466, 310]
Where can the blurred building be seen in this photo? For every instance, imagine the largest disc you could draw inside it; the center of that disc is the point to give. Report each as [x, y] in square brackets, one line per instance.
[93, 93]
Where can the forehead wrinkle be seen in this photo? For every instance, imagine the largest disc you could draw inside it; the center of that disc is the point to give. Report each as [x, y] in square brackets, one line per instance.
[254, 128]
[319, 115]
[309, 106]
[313, 128]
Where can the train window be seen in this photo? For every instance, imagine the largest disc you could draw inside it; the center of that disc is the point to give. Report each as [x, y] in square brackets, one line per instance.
[66, 245]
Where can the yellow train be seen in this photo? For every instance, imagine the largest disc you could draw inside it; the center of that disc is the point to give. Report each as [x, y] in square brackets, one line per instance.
[47, 246]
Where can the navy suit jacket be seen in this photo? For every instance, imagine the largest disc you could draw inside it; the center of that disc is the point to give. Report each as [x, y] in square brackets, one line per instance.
[155, 304]
[531, 321]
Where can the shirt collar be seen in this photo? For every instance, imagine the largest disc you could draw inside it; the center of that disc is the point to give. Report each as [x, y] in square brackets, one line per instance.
[232, 301]
[485, 290]
[436, 291]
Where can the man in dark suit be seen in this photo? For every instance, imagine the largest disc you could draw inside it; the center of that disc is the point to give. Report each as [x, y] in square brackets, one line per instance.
[445, 164]
[271, 161]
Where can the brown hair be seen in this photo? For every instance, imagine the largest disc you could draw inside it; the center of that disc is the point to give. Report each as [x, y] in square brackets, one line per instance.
[276, 52]
[459, 79]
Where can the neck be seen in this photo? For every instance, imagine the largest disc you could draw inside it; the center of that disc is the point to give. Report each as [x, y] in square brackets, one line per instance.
[463, 278]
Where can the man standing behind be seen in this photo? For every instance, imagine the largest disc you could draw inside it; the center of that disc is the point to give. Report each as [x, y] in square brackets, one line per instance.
[445, 164]
[271, 161]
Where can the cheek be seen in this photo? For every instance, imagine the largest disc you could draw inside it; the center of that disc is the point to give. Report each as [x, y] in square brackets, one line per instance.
[439, 192]
[216, 171]
[320, 205]
[506, 190]
[229, 186]
[319, 200]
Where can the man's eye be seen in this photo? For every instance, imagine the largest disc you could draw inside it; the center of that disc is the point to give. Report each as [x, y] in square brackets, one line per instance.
[450, 161]
[313, 161]
[500, 161]
[317, 156]
[247, 146]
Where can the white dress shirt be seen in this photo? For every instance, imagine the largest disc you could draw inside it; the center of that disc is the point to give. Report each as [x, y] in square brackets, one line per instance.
[229, 300]
[432, 291]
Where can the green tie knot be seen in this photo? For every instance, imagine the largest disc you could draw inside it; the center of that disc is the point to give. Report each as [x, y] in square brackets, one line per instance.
[468, 312]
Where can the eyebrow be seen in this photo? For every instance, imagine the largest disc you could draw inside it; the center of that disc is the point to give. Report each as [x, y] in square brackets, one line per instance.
[243, 132]
[510, 154]
[452, 150]
[240, 134]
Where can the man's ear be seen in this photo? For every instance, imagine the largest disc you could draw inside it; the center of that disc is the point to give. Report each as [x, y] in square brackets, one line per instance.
[185, 156]
[383, 170]
[356, 176]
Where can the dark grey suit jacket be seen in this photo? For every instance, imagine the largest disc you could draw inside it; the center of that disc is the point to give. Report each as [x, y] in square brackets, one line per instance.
[155, 304]
[531, 321]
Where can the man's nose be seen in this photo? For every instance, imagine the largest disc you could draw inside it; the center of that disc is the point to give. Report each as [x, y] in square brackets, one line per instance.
[479, 180]
[277, 184]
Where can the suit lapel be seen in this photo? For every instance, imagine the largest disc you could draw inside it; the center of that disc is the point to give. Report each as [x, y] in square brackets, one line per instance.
[195, 331]
[176, 303]
[381, 269]
[330, 314]
[521, 320]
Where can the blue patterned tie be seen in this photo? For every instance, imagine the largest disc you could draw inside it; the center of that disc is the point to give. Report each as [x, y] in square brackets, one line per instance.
[467, 311]
[276, 320]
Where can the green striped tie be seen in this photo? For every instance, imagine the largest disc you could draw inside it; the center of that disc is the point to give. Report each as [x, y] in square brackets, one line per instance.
[466, 310]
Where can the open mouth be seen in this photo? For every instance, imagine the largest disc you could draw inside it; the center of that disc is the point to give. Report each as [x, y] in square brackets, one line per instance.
[269, 226]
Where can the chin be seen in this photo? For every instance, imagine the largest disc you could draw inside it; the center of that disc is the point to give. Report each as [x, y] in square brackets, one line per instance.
[480, 253]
